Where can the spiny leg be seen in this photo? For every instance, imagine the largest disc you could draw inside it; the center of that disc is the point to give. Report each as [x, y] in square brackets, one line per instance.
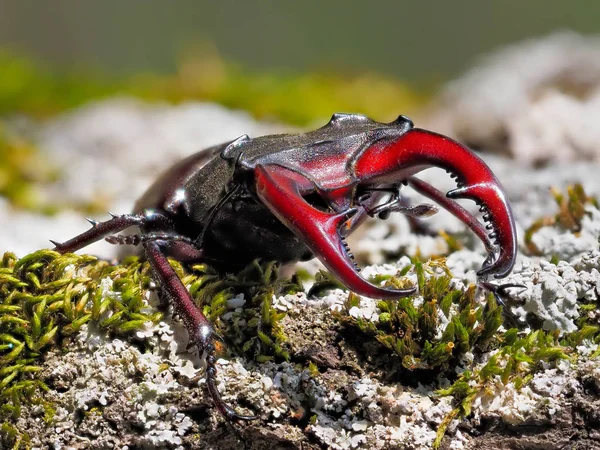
[172, 244]
[397, 203]
[199, 328]
[456, 210]
[100, 230]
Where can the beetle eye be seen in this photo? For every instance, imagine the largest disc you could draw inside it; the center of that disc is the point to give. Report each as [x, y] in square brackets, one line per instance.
[315, 200]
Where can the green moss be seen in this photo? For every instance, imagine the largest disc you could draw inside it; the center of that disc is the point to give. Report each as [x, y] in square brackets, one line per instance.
[255, 329]
[29, 87]
[45, 298]
[571, 211]
[412, 332]
[518, 357]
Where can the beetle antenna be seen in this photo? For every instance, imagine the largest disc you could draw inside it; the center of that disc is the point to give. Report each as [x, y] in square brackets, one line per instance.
[213, 212]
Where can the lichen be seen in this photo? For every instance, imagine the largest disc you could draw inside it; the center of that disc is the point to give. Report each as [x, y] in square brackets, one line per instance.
[47, 298]
[450, 329]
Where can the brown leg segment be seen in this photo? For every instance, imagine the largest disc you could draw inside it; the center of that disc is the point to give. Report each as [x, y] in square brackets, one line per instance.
[455, 209]
[199, 328]
[98, 231]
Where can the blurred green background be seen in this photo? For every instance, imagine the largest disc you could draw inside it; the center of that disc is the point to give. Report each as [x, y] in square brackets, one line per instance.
[423, 42]
[291, 61]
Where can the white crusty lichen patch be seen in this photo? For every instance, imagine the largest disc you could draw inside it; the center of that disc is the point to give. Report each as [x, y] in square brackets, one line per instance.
[103, 378]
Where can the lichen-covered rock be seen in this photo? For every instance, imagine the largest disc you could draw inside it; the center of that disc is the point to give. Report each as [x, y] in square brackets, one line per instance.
[341, 388]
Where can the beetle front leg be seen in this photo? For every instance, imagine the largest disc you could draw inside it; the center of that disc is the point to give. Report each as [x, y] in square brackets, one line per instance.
[179, 247]
[457, 211]
[200, 330]
[101, 230]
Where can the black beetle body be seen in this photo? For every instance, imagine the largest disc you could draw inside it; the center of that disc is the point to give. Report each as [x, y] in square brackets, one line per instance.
[188, 193]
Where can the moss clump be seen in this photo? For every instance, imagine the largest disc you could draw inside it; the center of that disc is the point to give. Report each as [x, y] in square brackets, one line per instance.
[517, 359]
[436, 327]
[45, 298]
[411, 327]
[254, 329]
[571, 211]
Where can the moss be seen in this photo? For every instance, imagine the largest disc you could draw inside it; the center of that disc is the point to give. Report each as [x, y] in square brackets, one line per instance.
[571, 211]
[518, 358]
[29, 87]
[47, 297]
[255, 329]
[411, 330]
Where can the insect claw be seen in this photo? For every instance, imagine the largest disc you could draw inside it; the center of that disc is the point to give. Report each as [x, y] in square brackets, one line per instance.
[93, 223]
[113, 216]
[205, 342]
[501, 290]
[57, 245]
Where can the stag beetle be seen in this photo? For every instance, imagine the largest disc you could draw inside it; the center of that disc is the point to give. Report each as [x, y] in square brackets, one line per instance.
[290, 197]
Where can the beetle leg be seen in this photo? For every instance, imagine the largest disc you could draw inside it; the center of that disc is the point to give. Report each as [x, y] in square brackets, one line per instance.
[100, 230]
[397, 204]
[500, 293]
[199, 328]
[124, 239]
[456, 210]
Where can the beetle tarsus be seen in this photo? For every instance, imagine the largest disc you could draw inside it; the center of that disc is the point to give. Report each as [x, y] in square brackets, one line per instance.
[124, 239]
[136, 239]
[211, 383]
[502, 297]
[500, 291]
